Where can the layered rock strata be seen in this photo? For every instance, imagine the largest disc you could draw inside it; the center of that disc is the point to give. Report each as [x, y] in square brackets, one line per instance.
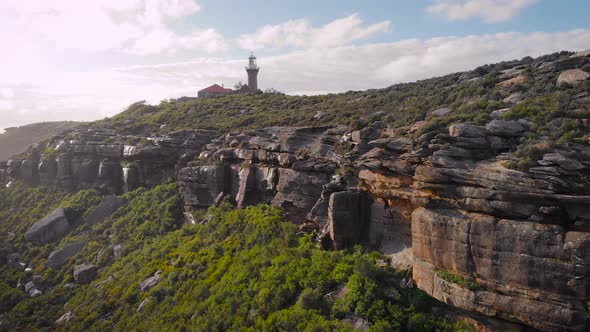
[475, 233]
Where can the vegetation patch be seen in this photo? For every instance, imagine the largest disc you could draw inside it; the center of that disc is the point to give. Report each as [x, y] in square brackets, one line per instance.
[244, 270]
[459, 280]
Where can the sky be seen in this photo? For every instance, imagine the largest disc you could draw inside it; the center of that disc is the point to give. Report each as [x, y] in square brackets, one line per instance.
[86, 60]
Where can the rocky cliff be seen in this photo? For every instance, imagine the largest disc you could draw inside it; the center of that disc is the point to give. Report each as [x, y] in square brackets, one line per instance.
[479, 228]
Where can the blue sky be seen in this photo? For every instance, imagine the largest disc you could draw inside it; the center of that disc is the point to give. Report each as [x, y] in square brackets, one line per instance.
[84, 60]
[409, 17]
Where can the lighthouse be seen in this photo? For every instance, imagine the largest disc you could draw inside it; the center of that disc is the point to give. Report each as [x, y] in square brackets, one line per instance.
[252, 71]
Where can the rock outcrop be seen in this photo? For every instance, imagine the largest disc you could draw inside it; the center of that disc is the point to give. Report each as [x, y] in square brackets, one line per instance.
[283, 166]
[99, 158]
[347, 217]
[444, 202]
[573, 76]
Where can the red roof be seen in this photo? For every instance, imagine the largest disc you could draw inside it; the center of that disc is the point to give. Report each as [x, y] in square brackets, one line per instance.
[215, 88]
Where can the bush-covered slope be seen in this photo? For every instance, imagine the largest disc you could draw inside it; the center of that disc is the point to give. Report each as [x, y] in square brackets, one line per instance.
[242, 270]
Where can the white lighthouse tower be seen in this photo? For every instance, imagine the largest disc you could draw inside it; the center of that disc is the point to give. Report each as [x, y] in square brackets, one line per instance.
[252, 71]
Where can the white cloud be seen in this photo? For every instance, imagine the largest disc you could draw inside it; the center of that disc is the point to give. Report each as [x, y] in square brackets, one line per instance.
[163, 41]
[491, 11]
[300, 34]
[93, 95]
[106, 25]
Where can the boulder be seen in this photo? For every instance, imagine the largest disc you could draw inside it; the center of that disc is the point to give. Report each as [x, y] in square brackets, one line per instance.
[563, 162]
[572, 76]
[520, 79]
[58, 257]
[150, 282]
[84, 273]
[441, 111]
[65, 318]
[31, 289]
[105, 209]
[514, 98]
[499, 114]
[51, 228]
[465, 130]
[505, 128]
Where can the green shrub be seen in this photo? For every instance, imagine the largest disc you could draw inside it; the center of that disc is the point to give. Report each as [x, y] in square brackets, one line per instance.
[246, 269]
[9, 297]
[311, 299]
[460, 280]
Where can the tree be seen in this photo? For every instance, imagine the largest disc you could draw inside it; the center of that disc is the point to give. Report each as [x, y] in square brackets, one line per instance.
[238, 85]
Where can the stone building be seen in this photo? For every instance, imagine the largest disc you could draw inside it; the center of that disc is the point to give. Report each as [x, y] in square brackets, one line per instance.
[214, 91]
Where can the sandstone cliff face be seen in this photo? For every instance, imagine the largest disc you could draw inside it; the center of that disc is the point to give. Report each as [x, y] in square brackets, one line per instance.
[84, 159]
[522, 237]
[442, 204]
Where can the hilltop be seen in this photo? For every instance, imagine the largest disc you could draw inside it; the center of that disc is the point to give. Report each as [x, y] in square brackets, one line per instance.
[555, 105]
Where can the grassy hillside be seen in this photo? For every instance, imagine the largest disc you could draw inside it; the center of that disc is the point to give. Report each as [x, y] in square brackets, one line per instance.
[244, 270]
[558, 114]
[15, 140]
[471, 96]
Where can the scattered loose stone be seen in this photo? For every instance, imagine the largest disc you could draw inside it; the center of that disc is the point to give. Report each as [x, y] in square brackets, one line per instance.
[150, 282]
[84, 273]
[441, 111]
[65, 318]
